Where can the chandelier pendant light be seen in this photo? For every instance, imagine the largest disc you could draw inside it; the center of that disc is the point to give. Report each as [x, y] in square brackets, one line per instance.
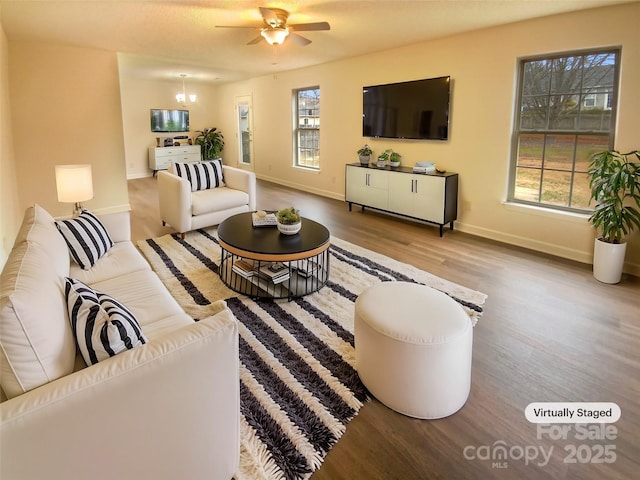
[182, 97]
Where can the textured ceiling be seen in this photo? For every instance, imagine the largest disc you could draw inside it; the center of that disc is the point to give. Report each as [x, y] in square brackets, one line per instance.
[161, 39]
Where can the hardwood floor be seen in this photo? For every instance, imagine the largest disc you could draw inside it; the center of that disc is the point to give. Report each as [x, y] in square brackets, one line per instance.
[550, 333]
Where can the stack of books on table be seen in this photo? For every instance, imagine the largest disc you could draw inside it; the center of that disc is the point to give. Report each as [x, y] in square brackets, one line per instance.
[424, 167]
[306, 268]
[263, 219]
[277, 272]
[245, 268]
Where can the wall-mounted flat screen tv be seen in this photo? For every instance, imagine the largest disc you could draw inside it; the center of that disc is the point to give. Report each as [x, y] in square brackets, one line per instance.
[169, 120]
[417, 109]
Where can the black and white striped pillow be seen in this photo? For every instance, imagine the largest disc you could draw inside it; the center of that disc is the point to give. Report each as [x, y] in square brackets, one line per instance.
[201, 176]
[86, 238]
[102, 326]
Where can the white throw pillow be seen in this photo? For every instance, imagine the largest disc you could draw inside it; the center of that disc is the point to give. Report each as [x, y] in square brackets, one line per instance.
[86, 238]
[201, 176]
[103, 327]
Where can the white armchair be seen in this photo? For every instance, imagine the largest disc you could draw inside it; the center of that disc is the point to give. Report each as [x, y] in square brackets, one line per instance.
[185, 210]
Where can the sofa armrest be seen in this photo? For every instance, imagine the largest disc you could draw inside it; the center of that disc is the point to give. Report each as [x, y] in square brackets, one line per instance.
[175, 201]
[243, 180]
[118, 225]
[166, 410]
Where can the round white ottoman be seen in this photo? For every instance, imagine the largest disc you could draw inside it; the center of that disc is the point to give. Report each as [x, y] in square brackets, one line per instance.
[413, 349]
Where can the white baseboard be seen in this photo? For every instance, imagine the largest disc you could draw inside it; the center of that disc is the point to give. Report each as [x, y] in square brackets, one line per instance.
[305, 188]
[538, 246]
[134, 176]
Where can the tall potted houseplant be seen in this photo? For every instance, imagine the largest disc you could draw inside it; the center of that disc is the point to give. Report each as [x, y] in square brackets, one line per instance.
[211, 143]
[614, 179]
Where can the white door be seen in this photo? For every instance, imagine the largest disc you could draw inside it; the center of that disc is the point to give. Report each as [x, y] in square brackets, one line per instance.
[245, 130]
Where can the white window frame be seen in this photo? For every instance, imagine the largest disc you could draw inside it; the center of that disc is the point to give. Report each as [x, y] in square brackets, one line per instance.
[576, 201]
[306, 120]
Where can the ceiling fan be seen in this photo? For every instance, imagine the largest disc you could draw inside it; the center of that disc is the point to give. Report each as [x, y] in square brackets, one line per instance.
[275, 29]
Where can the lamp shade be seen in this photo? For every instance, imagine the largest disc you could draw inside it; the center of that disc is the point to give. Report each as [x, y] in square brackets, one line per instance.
[74, 183]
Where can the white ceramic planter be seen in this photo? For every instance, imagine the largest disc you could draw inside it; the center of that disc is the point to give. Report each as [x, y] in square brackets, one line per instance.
[289, 229]
[608, 261]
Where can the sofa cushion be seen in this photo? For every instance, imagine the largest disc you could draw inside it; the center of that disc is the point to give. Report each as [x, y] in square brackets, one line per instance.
[86, 238]
[37, 345]
[201, 176]
[103, 326]
[121, 259]
[217, 199]
[145, 295]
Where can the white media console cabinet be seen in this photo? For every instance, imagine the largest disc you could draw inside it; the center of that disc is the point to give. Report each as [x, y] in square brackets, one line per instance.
[161, 157]
[430, 197]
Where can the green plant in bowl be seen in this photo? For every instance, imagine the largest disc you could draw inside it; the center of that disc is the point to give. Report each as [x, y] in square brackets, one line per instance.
[288, 216]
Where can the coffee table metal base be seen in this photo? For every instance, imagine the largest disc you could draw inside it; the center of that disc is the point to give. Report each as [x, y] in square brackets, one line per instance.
[304, 275]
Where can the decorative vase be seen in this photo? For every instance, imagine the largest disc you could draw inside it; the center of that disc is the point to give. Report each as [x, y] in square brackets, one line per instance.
[364, 159]
[381, 163]
[608, 261]
[289, 229]
[394, 164]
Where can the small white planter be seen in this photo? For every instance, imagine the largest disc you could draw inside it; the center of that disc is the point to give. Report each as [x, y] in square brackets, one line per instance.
[608, 261]
[289, 229]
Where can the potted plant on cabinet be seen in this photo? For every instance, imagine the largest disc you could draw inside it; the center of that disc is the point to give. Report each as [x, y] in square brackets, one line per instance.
[211, 143]
[394, 159]
[614, 180]
[383, 158]
[364, 154]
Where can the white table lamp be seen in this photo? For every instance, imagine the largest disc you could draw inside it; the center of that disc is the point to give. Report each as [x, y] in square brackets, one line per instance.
[74, 184]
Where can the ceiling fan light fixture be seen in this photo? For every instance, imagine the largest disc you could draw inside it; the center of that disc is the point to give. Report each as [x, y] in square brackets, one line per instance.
[275, 35]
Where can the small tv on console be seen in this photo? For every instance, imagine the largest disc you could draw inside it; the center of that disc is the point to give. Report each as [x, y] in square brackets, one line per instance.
[169, 120]
[417, 109]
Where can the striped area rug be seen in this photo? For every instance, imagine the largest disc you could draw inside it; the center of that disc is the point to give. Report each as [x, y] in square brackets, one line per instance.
[298, 384]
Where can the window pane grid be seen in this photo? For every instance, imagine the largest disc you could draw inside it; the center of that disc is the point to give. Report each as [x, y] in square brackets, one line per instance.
[564, 117]
[307, 128]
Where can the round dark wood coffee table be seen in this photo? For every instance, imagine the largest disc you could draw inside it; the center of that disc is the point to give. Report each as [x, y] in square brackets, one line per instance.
[261, 262]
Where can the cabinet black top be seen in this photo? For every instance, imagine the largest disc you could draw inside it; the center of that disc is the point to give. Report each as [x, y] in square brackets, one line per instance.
[401, 169]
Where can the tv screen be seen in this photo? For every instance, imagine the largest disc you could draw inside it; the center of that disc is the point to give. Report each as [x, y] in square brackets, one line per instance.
[169, 120]
[418, 109]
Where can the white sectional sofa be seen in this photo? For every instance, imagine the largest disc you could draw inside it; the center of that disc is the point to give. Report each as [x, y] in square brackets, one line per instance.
[168, 409]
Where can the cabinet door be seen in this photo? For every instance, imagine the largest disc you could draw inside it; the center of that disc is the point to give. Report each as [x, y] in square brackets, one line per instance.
[419, 196]
[429, 198]
[367, 187]
[401, 193]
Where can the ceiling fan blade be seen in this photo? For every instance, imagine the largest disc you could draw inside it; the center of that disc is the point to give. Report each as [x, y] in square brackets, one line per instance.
[255, 40]
[240, 26]
[309, 27]
[270, 16]
[299, 39]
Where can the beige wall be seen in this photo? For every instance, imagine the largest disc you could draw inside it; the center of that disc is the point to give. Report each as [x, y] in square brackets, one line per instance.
[482, 65]
[65, 109]
[10, 216]
[80, 88]
[139, 95]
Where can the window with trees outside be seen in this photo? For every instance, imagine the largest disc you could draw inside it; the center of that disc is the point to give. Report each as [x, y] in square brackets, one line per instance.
[306, 126]
[565, 114]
